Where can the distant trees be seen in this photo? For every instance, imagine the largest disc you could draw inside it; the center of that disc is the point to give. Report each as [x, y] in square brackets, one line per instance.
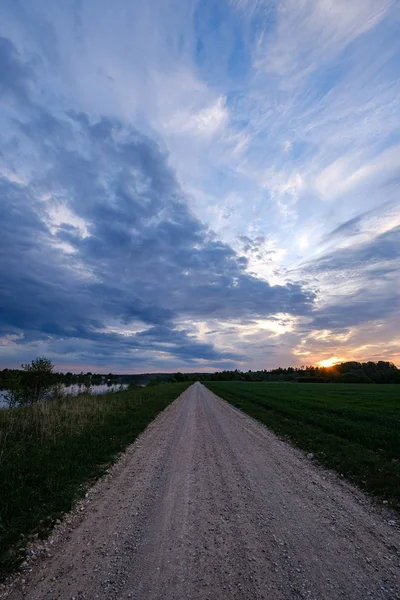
[111, 379]
[178, 377]
[347, 372]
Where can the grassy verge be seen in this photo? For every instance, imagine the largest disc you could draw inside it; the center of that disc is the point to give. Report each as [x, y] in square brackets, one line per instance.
[49, 453]
[354, 429]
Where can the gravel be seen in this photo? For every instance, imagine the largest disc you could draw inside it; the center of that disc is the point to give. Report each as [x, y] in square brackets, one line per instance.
[209, 504]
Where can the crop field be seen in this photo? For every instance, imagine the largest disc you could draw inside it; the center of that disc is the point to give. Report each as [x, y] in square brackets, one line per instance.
[354, 428]
[50, 451]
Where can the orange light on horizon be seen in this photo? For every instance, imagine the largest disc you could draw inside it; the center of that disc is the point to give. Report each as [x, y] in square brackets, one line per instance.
[330, 362]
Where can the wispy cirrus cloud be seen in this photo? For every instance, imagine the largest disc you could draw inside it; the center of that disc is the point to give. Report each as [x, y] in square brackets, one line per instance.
[310, 33]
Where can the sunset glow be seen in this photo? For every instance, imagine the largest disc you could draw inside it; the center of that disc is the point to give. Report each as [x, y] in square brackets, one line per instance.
[330, 362]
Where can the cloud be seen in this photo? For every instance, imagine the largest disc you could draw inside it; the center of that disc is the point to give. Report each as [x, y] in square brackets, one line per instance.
[129, 252]
[379, 255]
[369, 223]
[347, 173]
[192, 167]
[361, 281]
[311, 32]
[364, 306]
[205, 121]
[253, 245]
[16, 76]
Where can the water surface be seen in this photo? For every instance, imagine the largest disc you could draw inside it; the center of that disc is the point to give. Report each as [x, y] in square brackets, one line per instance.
[75, 389]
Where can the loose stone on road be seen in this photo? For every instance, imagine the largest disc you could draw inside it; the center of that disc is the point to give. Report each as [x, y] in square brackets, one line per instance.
[210, 504]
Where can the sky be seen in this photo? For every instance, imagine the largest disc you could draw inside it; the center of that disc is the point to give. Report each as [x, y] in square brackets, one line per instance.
[199, 185]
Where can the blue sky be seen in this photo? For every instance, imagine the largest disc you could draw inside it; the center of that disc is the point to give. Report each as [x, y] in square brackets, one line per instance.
[199, 185]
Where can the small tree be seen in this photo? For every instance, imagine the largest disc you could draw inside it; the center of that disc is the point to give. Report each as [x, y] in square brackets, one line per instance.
[38, 379]
[33, 384]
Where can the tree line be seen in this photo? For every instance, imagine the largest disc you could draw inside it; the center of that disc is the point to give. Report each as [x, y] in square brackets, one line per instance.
[346, 372]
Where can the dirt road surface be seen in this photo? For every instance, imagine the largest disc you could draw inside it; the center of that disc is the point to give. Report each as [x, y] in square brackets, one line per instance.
[208, 504]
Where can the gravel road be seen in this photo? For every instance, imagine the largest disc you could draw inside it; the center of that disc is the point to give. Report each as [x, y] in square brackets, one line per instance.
[208, 504]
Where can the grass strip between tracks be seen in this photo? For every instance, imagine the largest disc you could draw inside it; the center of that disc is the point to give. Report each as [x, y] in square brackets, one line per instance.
[354, 428]
[50, 452]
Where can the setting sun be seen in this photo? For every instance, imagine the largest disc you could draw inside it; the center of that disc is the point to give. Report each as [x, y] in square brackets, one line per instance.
[329, 362]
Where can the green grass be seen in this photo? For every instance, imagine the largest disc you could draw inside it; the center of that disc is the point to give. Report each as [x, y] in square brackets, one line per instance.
[354, 429]
[51, 451]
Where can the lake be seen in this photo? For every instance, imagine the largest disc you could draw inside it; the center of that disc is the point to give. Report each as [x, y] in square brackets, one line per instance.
[75, 389]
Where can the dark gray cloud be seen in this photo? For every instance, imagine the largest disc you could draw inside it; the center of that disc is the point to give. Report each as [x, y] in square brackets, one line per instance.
[372, 267]
[255, 246]
[139, 257]
[252, 244]
[382, 250]
[364, 306]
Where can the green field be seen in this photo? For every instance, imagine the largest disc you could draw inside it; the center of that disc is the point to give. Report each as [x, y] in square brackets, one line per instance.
[354, 428]
[49, 452]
